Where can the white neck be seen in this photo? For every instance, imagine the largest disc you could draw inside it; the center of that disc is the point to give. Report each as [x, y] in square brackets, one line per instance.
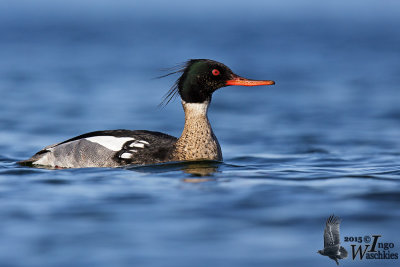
[195, 109]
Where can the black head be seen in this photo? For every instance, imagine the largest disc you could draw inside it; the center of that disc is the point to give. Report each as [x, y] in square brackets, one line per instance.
[202, 77]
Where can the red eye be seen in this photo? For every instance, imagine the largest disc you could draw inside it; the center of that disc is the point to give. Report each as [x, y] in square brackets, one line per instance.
[216, 72]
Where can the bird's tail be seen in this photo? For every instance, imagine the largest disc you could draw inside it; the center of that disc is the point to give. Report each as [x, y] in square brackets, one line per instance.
[343, 253]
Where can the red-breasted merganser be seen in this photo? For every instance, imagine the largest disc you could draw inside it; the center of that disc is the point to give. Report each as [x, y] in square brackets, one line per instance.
[114, 148]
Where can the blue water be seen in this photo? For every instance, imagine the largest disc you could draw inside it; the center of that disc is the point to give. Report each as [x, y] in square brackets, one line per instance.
[325, 139]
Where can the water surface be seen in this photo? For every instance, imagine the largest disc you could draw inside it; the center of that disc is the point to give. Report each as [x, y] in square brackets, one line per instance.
[325, 139]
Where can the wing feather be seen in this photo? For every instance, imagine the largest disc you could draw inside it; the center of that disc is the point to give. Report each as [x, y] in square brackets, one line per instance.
[106, 149]
[332, 231]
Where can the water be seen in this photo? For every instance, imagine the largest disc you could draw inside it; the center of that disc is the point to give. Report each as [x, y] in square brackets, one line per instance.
[323, 140]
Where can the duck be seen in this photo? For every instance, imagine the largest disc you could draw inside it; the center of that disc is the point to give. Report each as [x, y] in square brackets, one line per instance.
[200, 78]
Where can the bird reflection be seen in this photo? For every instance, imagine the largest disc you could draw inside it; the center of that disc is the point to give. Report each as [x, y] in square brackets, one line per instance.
[198, 169]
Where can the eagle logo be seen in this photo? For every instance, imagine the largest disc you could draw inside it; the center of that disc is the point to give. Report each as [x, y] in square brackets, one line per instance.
[332, 247]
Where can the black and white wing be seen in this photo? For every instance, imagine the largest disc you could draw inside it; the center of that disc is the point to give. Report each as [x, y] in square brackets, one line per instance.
[106, 149]
[332, 232]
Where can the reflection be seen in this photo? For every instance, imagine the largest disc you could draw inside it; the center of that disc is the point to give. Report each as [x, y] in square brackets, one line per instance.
[195, 168]
[197, 180]
[201, 168]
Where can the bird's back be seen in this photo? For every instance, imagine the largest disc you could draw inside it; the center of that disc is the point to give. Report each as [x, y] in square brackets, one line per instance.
[106, 149]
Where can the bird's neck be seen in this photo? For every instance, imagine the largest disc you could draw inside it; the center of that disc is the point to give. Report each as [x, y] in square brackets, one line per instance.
[197, 141]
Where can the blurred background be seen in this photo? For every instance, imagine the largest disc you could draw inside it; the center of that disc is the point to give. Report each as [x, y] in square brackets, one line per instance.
[325, 139]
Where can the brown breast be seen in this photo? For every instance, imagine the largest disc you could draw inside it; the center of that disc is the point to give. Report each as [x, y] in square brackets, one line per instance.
[197, 141]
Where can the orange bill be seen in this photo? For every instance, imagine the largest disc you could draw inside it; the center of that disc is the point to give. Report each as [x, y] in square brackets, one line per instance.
[237, 80]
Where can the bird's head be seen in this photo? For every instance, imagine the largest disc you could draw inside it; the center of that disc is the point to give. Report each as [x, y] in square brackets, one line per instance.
[202, 77]
[320, 252]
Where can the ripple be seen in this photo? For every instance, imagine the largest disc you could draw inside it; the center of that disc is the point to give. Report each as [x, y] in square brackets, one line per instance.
[130, 198]
[313, 145]
[54, 181]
